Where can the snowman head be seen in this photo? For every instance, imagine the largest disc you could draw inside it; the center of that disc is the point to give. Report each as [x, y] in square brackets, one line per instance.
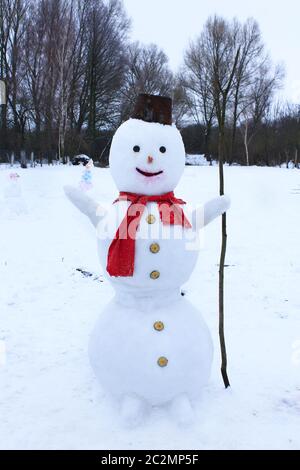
[90, 164]
[147, 154]
[14, 176]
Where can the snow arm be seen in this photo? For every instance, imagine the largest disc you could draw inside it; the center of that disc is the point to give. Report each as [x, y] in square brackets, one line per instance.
[85, 204]
[211, 209]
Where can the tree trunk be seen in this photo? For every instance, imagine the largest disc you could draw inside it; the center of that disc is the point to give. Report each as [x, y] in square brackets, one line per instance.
[296, 158]
[287, 158]
[23, 158]
[222, 265]
[233, 134]
[246, 143]
[206, 143]
[61, 147]
[3, 117]
[3, 112]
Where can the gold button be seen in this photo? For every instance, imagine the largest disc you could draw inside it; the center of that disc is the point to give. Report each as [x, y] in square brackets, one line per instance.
[162, 361]
[154, 247]
[154, 274]
[150, 219]
[158, 326]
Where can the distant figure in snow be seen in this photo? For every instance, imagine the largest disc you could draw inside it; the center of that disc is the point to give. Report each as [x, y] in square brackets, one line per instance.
[13, 201]
[85, 183]
[13, 189]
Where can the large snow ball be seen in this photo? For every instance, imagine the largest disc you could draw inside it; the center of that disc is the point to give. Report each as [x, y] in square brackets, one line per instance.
[146, 158]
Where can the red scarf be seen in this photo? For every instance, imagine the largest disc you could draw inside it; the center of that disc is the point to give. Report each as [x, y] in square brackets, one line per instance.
[120, 261]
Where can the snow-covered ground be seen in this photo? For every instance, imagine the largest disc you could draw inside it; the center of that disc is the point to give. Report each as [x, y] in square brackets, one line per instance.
[196, 160]
[49, 397]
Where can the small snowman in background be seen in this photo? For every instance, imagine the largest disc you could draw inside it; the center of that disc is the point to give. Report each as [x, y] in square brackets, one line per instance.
[14, 203]
[13, 189]
[150, 346]
[86, 183]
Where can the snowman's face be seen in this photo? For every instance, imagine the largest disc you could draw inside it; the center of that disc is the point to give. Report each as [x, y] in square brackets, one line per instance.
[146, 158]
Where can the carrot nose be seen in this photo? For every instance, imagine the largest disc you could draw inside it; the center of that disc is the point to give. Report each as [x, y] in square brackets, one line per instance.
[150, 159]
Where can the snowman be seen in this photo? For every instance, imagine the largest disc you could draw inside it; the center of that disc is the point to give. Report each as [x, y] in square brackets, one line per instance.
[13, 188]
[85, 183]
[14, 204]
[150, 346]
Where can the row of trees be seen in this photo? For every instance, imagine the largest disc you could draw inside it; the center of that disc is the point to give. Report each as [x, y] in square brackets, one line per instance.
[274, 141]
[72, 76]
[229, 87]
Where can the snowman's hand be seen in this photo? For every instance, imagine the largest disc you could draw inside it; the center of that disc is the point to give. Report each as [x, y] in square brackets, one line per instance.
[211, 209]
[85, 204]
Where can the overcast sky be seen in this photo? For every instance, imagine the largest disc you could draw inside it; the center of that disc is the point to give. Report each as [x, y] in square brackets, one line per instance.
[172, 23]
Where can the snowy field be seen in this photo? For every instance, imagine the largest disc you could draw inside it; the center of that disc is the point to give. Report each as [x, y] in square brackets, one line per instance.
[49, 398]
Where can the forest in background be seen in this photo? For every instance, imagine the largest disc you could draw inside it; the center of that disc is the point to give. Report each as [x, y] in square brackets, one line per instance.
[70, 75]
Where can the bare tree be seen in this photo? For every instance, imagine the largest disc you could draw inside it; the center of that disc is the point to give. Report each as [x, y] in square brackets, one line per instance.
[251, 59]
[2, 73]
[196, 80]
[65, 54]
[219, 49]
[74, 68]
[285, 118]
[79, 62]
[180, 103]
[147, 71]
[13, 23]
[107, 32]
[223, 57]
[257, 101]
[35, 67]
[71, 77]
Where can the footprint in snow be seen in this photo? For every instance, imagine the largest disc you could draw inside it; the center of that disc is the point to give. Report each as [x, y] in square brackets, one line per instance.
[291, 402]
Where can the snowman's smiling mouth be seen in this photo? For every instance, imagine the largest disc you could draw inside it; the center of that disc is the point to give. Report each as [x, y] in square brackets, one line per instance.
[146, 173]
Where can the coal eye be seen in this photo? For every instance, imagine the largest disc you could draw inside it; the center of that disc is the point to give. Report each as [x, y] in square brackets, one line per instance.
[136, 148]
[162, 149]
